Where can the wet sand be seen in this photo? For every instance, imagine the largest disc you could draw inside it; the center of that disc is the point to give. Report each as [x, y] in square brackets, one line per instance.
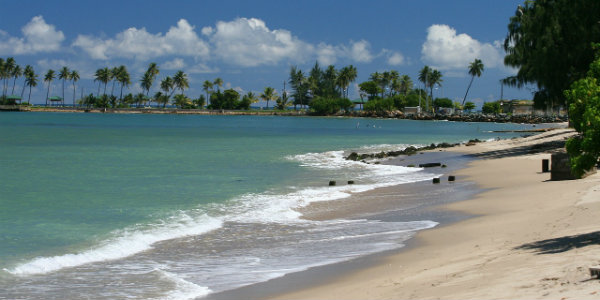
[527, 237]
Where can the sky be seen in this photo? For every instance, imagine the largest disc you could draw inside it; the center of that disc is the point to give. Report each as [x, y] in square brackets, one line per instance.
[253, 44]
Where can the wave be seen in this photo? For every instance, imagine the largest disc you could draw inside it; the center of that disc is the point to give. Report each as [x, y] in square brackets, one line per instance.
[183, 289]
[126, 243]
[267, 207]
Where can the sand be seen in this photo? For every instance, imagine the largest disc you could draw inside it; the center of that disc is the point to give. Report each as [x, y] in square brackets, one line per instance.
[529, 238]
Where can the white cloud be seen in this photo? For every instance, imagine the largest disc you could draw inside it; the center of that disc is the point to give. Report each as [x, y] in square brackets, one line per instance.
[326, 54]
[360, 51]
[249, 42]
[134, 43]
[38, 36]
[175, 64]
[395, 59]
[446, 50]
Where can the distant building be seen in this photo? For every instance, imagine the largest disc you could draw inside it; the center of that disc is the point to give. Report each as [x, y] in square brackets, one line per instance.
[414, 110]
[517, 107]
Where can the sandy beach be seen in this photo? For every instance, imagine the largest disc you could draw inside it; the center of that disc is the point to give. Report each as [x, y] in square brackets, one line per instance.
[529, 237]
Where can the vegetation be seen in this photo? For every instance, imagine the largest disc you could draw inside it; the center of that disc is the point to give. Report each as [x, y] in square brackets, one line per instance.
[491, 108]
[475, 69]
[550, 42]
[469, 106]
[584, 113]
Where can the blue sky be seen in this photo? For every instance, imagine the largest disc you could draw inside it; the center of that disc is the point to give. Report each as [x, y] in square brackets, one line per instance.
[252, 44]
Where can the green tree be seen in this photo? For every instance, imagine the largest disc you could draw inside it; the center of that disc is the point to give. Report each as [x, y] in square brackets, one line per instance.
[28, 71]
[469, 106]
[475, 69]
[346, 76]
[182, 101]
[584, 114]
[207, 87]
[168, 86]
[443, 102]
[6, 71]
[268, 94]
[123, 78]
[64, 74]
[74, 77]
[102, 76]
[31, 80]
[550, 42]
[300, 86]
[181, 81]
[48, 78]
[16, 73]
[491, 108]
[218, 82]
[371, 88]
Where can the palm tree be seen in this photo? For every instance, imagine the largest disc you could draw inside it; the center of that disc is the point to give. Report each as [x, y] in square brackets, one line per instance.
[114, 75]
[268, 94]
[16, 73]
[64, 75]
[346, 76]
[49, 77]
[218, 82]
[167, 85]
[146, 82]
[31, 80]
[123, 78]
[28, 70]
[406, 84]
[180, 80]
[6, 72]
[74, 76]
[475, 69]
[102, 76]
[207, 86]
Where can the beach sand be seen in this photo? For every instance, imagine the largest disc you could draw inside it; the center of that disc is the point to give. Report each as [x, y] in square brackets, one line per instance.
[528, 237]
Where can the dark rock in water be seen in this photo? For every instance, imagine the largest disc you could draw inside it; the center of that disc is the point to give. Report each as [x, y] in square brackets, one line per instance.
[331, 182]
[429, 165]
[350, 181]
[411, 166]
[444, 166]
[451, 178]
[353, 156]
[436, 180]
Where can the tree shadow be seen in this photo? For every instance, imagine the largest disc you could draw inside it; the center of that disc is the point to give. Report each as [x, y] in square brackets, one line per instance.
[523, 150]
[562, 244]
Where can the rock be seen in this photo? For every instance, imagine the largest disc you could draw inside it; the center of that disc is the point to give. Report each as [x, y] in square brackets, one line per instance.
[436, 180]
[331, 182]
[350, 181]
[451, 178]
[429, 165]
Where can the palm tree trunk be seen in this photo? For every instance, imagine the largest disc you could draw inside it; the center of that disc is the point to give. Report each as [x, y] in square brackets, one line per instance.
[63, 98]
[14, 82]
[469, 87]
[73, 94]
[23, 90]
[47, 94]
[29, 99]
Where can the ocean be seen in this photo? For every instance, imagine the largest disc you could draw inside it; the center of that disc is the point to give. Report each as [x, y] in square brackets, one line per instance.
[145, 206]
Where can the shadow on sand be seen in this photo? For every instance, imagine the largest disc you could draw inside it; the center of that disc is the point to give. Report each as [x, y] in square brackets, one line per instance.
[563, 244]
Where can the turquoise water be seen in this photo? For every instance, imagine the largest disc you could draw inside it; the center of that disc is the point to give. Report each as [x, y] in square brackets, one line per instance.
[73, 183]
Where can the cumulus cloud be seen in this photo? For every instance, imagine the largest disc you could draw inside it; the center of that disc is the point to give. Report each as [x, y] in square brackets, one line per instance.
[446, 50]
[359, 51]
[395, 59]
[134, 43]
[174, 64]
[38, 36]
[249, 42]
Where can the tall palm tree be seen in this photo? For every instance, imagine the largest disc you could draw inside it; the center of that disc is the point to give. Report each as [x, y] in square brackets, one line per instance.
[64, 74]
[123, 78]
[181, 81]
[207, 87]
[406, 84]
[346, 76]
[435, 79]
[425, 78]
[114, 75]
[31, 80]
[6, 72]
[27, 72]
[218, 82]
[48, 78]
[74, 76]
[268, 94]
[146, 82]
[16, 73]
[475, 69]
[102, 76]
[167, 85]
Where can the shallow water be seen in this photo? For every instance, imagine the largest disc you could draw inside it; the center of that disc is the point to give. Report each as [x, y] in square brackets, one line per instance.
[176, 207]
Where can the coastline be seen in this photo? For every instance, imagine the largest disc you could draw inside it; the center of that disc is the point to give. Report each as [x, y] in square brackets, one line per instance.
[528, 237]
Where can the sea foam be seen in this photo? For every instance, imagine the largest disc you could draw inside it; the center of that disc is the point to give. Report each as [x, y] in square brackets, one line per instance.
[126, 243]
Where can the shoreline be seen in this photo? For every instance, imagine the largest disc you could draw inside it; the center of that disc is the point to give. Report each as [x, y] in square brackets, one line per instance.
[527, 237]
[467, 118]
